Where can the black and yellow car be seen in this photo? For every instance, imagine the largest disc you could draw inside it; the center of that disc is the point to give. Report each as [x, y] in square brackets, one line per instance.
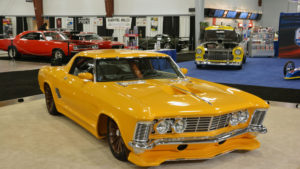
[222, 46]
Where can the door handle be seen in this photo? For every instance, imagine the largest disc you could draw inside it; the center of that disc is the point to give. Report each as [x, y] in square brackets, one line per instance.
[65, 78]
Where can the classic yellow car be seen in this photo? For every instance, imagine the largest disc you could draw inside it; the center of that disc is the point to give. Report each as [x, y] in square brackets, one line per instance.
[221, 45]
[148, 109]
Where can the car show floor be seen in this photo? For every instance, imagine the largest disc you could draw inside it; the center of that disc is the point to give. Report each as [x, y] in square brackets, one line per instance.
[32, 139]
[267, 72]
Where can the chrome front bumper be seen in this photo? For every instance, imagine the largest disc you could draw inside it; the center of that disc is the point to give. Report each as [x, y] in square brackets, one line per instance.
[228, 63]
[139, 147]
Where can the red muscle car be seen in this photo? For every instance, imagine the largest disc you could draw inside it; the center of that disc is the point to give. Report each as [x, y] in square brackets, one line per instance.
[93, 37]
[44, 43]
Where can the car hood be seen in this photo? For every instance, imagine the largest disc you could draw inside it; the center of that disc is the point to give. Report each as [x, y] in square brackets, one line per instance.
[187, 97]
[78, 42]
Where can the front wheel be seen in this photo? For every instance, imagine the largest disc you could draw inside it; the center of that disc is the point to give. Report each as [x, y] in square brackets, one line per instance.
[13, 52]
[50, 101]
[290, 65]
[115, 141]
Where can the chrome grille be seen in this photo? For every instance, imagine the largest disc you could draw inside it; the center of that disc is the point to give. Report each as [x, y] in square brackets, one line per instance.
[218, 55]
[258, 117]
[199, 124]
[142, 131]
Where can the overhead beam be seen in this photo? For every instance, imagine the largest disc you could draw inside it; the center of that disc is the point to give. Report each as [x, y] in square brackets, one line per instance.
[38, 9]
[109, 7]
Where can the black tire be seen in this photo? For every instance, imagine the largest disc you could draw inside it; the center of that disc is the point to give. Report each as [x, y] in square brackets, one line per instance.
[178, 49]
[199, 66]
[239, 67]
[13, 52]
[50, 101]
[290, 65]
[115, 141]
[244, 59]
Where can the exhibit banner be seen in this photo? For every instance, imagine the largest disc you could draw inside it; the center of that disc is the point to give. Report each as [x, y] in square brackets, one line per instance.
[141, 21]
[70, 22]
[84, 20]
[118, 23]
[98, 21]
[289, 35]
[154, 24]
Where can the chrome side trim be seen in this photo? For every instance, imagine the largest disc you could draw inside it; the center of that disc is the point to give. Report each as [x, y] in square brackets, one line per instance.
[219, 63]
[125, 84]
[198, 140]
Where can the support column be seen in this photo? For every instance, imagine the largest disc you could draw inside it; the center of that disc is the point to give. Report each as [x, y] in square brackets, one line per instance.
[109, 7]
[199, 17]
[38, 9]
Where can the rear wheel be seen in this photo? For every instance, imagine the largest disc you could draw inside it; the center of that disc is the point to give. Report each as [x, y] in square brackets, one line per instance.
[13, 52]
[115, 141]
[58, 57]
[50, 101]
[290, 65]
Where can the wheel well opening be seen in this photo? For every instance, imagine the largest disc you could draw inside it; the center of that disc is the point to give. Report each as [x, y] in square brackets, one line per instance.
[102, 124]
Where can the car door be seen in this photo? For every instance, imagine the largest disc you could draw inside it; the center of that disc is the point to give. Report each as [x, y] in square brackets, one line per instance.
[77, 93]
[32, 43]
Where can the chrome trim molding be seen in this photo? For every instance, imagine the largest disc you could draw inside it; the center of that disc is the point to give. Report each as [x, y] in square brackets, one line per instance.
[219, 63]
[198, 140]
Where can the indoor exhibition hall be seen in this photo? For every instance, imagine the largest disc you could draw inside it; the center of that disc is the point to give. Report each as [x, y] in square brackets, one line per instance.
[160, 84]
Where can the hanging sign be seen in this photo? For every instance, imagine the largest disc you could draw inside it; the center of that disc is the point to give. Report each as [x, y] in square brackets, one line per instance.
[141, 21]
[98, 21]
[297, 36]
[118, 23]
[70, 23]
[84, 20]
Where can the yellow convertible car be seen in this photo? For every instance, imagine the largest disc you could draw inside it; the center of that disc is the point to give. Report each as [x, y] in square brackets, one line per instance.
[149, 110]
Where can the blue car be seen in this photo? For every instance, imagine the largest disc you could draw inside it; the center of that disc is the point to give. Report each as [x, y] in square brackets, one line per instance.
[290, 72]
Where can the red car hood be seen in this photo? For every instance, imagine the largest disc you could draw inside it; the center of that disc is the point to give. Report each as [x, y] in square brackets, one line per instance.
[79, 42]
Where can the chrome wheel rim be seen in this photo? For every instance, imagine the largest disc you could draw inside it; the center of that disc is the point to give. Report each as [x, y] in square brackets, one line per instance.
[167, 46]
[115, 139]
[49, 99]
[11, 52]
[57, 55]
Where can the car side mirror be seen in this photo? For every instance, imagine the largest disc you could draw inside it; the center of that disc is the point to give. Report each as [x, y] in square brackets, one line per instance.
[86, 76]
[184, 70]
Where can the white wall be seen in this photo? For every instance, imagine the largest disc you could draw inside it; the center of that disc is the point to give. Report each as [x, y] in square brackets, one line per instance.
[122, 7]
[16, 7]
[247, 5]
[271, 12]
[73, 7]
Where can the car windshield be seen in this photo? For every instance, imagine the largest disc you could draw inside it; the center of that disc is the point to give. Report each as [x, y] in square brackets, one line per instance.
[123, 69]
[55, 36]
[225, 35]
[91, 37]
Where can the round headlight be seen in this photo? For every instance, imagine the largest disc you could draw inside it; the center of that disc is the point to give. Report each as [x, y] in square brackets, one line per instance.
[243, 116]
[162, 127]
[179, 126]
[75, 47]
[199, 51]
[234, 119]
[238, 52]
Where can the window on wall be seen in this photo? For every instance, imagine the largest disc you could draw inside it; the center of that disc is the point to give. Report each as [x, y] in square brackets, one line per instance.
[102, 31]
[171, 25]
[21, 24]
